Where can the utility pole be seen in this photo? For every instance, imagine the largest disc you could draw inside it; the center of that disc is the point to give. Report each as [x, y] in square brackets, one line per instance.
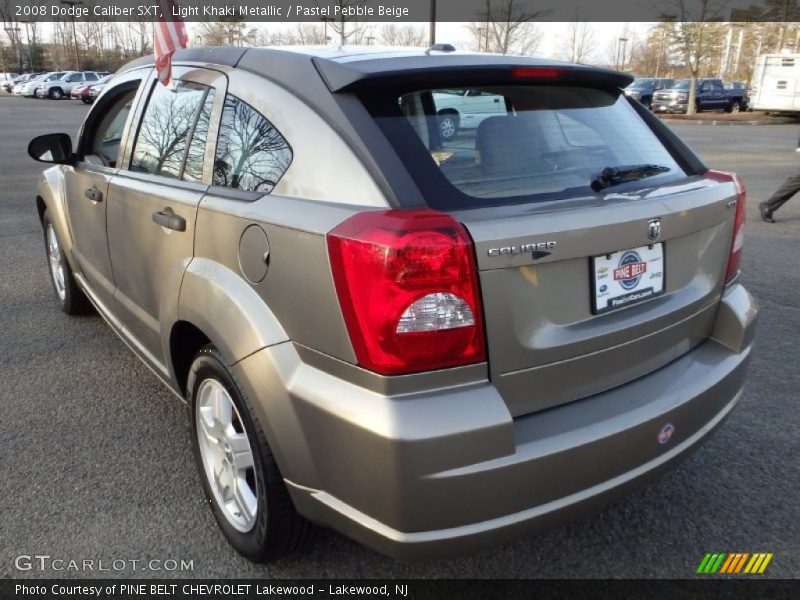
[72, 4]
[432, 40]
[325, 21]
[621, 44]
[480, 31]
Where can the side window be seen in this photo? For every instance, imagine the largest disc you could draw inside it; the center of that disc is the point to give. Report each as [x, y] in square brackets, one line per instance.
[104, 146]
[75, 77]
[163, 136]
[251, 154]
[193, 171]
[91, 77]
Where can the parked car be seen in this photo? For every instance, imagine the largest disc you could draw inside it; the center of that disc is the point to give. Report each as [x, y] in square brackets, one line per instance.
[91, 92]
[642, 89]
[738, 95]
[56, 89]
[6, 79]
[710, 95]
[429, 345]
[28, 89]
[9, 84]
[465, 109]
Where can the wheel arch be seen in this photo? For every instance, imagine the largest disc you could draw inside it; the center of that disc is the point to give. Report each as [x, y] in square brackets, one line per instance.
[185, 341]
[41, 206]
[217, 306]
[50, 198]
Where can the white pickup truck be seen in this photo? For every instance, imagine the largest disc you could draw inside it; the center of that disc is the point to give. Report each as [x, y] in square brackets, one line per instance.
[465, 109]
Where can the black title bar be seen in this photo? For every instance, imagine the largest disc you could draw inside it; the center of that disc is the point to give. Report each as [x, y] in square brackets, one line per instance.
[709, 588]
[400, 10]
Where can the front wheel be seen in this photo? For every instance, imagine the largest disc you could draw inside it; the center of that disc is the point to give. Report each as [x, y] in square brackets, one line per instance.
[69, 296]
[240, 476]
[735, 107]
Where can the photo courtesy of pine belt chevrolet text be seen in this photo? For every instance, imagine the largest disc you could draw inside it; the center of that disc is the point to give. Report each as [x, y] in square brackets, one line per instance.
[433, 300]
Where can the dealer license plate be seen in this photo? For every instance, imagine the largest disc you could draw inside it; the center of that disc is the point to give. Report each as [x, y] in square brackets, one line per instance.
[627, 277]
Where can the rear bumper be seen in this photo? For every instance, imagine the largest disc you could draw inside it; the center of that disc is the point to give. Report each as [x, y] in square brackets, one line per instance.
[450, 472]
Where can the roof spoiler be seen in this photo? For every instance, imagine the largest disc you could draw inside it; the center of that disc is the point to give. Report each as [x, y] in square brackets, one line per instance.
[460, 70]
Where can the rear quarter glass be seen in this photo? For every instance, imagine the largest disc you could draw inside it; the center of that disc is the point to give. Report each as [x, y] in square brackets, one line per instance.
[516, 143]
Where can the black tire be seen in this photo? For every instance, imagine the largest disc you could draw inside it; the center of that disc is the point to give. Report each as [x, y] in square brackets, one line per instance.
[71, 299]
[278, 530]
[55, 93]
[448, 126]
[736, 107]
[87, 100]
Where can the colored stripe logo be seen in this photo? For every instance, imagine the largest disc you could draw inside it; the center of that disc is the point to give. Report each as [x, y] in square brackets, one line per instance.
[734, 562]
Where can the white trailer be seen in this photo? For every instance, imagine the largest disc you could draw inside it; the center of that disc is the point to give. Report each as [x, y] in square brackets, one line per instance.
[776, 83]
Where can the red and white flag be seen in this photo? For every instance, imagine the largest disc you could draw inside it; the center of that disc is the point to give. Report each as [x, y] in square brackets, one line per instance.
[168, 36]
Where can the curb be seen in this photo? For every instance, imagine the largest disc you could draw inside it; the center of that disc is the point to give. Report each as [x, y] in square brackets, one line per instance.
[782, 121]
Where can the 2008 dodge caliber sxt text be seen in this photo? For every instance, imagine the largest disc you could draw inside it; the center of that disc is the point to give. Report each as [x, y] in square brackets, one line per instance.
[430, 330]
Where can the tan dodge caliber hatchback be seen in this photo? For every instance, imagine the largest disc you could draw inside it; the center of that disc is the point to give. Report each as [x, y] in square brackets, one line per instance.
[432, 300]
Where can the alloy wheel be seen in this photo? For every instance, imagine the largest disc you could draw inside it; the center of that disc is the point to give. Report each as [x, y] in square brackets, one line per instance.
[447, 127]
[56, 265]
[227, 455]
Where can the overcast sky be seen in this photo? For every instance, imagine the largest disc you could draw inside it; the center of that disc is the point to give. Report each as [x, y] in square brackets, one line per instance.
[553, 35]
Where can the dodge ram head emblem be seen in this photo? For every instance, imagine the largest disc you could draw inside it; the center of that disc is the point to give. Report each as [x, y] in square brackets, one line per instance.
[654, 229]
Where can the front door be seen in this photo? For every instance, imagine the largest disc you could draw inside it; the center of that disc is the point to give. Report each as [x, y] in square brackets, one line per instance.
[154, 199]
[99, 151]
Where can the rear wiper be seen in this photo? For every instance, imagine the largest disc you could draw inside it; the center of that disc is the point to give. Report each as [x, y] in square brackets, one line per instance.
[616, 175]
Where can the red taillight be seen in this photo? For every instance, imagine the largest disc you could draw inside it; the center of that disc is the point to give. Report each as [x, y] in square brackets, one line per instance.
[408, 287]
[738, 222]
[537, 72]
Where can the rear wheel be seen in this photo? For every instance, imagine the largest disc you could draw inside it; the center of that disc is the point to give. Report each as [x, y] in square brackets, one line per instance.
[69, 296]
[448, 126]
[56, 93]
[240, 476]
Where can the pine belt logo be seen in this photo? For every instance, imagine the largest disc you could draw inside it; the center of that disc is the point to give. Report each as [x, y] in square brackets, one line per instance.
[727, 563]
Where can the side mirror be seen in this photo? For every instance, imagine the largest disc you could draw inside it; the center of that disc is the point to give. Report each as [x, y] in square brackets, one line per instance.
[55, 148]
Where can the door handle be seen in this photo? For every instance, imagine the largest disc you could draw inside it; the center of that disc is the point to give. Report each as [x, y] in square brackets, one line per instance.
[169, 220]
[94, 194]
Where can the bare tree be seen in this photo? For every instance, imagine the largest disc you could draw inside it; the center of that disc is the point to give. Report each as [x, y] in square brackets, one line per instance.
[349, 29]
[579, 43]
[302, 34]
[403, 35]
[693, 35]
[508, 27]
[223, 33]
[12, 30]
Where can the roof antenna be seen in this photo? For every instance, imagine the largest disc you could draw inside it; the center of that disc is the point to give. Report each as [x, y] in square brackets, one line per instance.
[440, 48]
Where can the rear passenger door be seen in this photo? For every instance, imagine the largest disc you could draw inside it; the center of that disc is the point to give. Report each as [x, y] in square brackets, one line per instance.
[154, 198]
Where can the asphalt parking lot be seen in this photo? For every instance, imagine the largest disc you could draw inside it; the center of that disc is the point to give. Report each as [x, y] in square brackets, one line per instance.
[96, 458]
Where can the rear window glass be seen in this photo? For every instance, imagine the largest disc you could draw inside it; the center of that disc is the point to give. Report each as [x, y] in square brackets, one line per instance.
[251, 154]
[513, 144]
